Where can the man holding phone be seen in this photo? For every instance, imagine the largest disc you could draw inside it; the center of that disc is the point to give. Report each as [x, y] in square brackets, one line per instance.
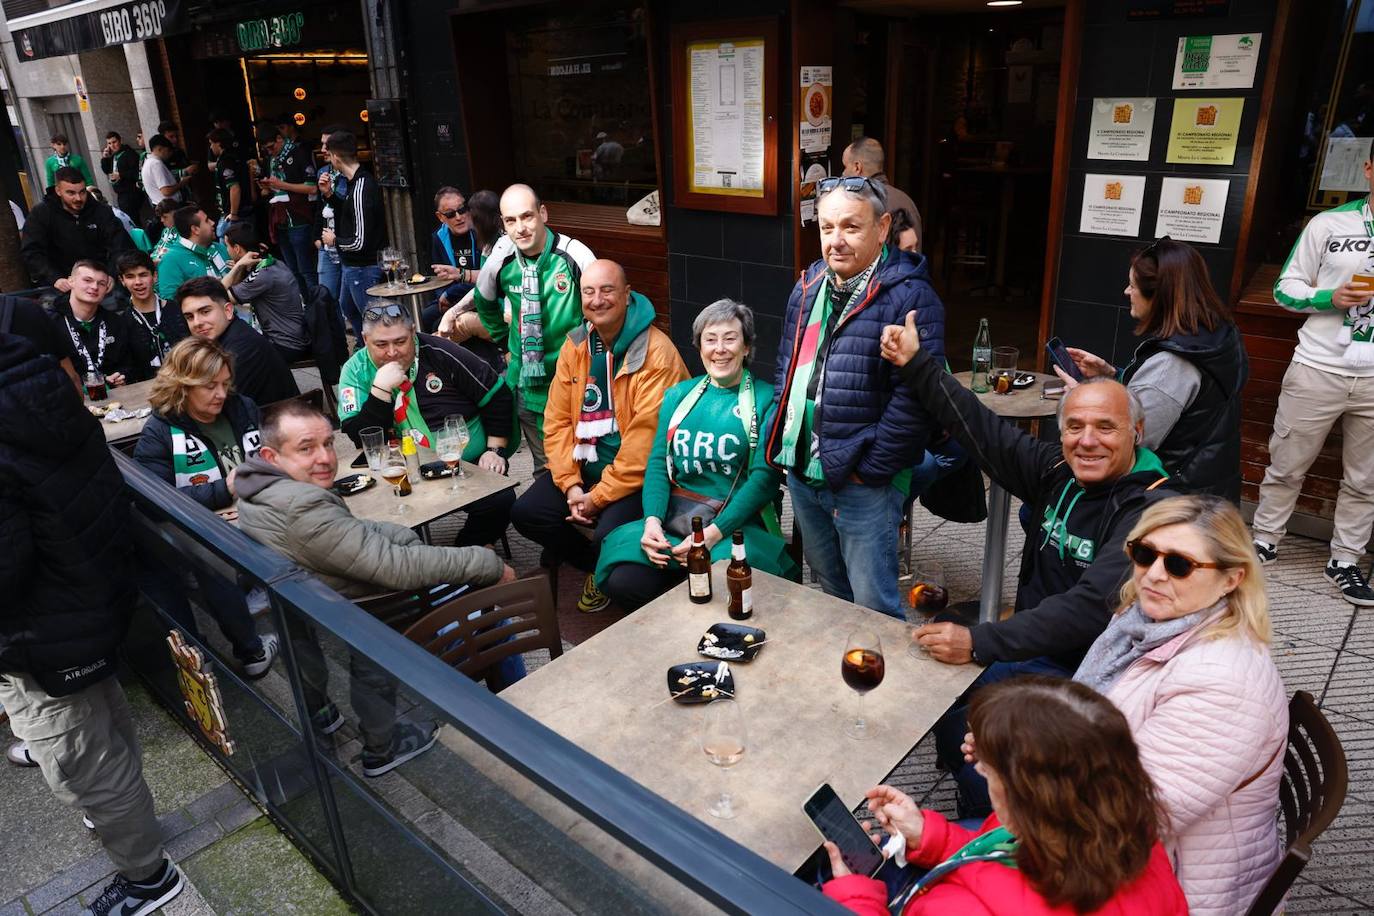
[1329, 276]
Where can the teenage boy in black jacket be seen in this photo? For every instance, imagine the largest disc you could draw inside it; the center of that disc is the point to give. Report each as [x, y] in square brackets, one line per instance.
[260, 372]
[1085, 495]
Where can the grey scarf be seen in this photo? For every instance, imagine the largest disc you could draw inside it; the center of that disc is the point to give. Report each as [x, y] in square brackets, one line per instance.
[1128, 637]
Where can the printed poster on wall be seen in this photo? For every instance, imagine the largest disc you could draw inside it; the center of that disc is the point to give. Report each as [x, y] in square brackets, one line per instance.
[1343, 165]
[1112, 204]
[815, 114]
[1191, 209]
[1205, 131]
[1216, 61]
[725, 117]
[1121, 129]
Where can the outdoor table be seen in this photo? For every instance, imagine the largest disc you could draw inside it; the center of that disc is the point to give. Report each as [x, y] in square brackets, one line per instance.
[1018, 404]
[610, 696]
[429, 500]
[130, 397]
[413, 291]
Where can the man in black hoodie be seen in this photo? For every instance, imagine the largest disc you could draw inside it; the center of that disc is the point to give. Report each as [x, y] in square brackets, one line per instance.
[1085, 495]
[260, 372]
[64, 615]
[69, 226]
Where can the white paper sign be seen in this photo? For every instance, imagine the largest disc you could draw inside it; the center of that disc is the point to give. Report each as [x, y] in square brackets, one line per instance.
[1343, 167]
[1112, 204]
[727, 116]
[1216, 61]
[1191, 209]
[1121, 129]
[816, 89]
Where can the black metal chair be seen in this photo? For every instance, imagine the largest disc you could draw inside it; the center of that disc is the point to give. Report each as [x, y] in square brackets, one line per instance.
[1311, 793]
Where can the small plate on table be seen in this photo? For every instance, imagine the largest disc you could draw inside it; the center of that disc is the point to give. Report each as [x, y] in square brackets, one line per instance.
[732, 641]
[700, 682]
[353, 484]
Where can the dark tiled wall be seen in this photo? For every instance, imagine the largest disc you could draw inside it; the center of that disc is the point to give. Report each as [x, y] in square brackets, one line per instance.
[1122, 58]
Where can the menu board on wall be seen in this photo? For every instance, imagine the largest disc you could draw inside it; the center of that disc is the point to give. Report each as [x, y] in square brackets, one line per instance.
[726, 117]
[1205, 131]
[1191, 209]
[386, 131]
[1112, 204]
[1121, 129]
[816, 83]
[1216, 61]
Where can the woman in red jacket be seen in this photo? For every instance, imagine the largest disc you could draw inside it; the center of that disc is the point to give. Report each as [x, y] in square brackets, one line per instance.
[1073, 828]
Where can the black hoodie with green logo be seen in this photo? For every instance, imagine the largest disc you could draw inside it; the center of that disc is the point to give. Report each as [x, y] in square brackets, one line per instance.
[1073, 564]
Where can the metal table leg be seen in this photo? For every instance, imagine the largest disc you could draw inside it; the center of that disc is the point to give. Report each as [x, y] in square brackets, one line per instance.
[994, 553]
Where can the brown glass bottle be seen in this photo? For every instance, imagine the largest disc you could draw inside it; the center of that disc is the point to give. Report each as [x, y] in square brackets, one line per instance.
[698, 566]
[739, 580]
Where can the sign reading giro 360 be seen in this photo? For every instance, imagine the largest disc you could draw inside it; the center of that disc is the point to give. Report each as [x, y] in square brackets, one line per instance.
[137, 20]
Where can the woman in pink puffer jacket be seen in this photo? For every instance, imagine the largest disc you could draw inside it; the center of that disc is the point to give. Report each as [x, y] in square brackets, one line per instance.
[1187, 662]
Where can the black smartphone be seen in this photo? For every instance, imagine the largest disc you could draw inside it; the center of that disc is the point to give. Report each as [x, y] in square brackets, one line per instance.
[360, 461]
[832, 818]
[1059, 354]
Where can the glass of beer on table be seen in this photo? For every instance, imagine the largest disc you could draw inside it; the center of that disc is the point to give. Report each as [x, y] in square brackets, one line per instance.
[1003, 368]
[394, 472]
[96, 389]
[862, 668]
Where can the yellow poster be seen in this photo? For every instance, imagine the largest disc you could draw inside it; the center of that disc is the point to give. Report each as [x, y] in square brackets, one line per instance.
[1205, 131]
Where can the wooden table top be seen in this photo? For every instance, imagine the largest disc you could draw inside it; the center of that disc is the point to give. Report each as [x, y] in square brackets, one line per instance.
[408, 289]
[133, 396]
[429, 499]
[606, 696]
[1019, 403]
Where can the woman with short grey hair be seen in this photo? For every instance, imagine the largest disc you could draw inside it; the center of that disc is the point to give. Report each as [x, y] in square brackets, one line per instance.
[706, 461]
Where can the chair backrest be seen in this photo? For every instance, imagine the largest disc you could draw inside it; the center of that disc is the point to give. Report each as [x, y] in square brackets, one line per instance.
[1311, 793]
[399, 610]
[505, 620]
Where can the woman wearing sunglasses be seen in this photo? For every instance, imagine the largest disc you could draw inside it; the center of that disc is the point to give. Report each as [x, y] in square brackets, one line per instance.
[1188, 369]
[1187, 661]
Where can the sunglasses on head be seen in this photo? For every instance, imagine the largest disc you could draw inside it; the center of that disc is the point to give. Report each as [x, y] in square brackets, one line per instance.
[851, 183]
[1175, 564]
[378, 312]
[450, 214]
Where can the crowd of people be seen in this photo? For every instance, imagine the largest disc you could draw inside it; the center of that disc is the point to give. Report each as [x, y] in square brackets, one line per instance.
[1122, 747]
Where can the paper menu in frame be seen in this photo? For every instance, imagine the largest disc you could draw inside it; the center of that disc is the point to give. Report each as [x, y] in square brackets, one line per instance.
[1191, 209]
[1112, 204]
[1204, 131]
[1121, 129]
[726, 117]
[1216, 61]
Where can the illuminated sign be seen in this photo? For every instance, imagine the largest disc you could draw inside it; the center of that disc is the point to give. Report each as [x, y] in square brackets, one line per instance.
[270, 32]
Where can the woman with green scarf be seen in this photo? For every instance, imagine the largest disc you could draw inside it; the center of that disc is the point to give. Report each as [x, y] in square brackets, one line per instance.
[705, 461]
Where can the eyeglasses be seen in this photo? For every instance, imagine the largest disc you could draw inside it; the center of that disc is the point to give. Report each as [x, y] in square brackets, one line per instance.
[450, 214]
[853, 184]
[1175, 564]
[379, 312]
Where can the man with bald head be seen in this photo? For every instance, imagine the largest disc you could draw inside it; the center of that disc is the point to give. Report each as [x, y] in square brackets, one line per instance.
[864, 157]
[599, 421]
[527, 293]
[1085, 495]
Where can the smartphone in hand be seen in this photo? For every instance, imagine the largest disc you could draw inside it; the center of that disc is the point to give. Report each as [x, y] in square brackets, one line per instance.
[1059, 356]
[834, 822]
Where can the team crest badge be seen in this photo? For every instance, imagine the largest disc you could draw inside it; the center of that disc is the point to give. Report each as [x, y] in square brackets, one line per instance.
[560, 282]
[591, 397]
[736, 412]
[433, 384]
[198, 479]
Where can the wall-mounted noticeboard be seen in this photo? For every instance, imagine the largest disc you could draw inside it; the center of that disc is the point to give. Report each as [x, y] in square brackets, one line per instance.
[725, 115]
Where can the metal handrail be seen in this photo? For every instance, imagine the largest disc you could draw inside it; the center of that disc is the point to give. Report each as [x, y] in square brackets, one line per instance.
[702, 859]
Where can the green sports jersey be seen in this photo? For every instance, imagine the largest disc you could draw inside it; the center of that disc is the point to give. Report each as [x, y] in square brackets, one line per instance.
[497, 298]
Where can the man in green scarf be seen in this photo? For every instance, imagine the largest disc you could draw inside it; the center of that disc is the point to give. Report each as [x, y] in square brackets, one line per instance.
[196, 253]
[528, 291]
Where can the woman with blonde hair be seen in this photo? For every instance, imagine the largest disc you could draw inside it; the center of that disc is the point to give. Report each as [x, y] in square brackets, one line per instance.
[1186, 660]
[198, 434]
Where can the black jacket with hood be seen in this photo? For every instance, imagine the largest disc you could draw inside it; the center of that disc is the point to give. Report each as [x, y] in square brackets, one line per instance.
[1074, 563]
[54, 239]
[64, 546]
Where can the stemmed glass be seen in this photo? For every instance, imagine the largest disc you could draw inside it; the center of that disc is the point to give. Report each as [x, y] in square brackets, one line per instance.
[451, 453]
[456, 428]
[394, 470]
[862, 668]
[923, 594]
[388, 259]
[723, 739]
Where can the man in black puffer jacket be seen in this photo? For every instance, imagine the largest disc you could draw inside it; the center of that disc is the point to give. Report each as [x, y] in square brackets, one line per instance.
[846, 430]
[65, 574]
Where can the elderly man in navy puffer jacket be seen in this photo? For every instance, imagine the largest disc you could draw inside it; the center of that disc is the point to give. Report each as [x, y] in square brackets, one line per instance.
[846, 430]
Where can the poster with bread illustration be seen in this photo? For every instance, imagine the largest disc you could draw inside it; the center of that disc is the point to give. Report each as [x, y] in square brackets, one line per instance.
[1205, 131]
[1192, 209]
[1121, 129]
[1112, 205]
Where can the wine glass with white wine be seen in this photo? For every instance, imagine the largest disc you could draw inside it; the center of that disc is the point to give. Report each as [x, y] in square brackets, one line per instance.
[457, 427]
[450, 453]
[723, 739]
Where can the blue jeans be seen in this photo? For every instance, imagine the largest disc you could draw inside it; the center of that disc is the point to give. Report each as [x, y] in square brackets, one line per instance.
[972, 798]
[330, 271]
[850, 540]
[353, 285]
[298, 253]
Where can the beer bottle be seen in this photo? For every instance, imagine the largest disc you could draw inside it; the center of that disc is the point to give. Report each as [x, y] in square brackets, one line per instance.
[739, 580]
[698, 566]
[982, 358]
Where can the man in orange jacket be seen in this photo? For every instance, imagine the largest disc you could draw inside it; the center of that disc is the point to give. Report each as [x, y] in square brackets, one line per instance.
[599, 424]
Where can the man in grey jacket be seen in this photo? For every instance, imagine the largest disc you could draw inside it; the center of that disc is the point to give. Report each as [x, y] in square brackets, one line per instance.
[285, 501]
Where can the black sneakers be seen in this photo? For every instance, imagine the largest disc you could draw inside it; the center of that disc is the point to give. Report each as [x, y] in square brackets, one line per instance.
[1266, 552]
[407, 742]
[1352, 583]
[327, 720]
[134, 898]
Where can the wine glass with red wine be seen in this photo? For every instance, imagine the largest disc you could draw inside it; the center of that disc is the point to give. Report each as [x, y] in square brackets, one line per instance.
[924, 594]
[862, 668]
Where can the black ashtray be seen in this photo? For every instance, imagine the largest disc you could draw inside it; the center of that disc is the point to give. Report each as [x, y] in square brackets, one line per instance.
[435, 469]
[700, 682]
[1023, 380]
[732, 641]
[353, 483]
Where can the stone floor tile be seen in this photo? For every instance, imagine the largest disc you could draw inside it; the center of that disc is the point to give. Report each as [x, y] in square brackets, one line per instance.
[214, 801]
[14, 908]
